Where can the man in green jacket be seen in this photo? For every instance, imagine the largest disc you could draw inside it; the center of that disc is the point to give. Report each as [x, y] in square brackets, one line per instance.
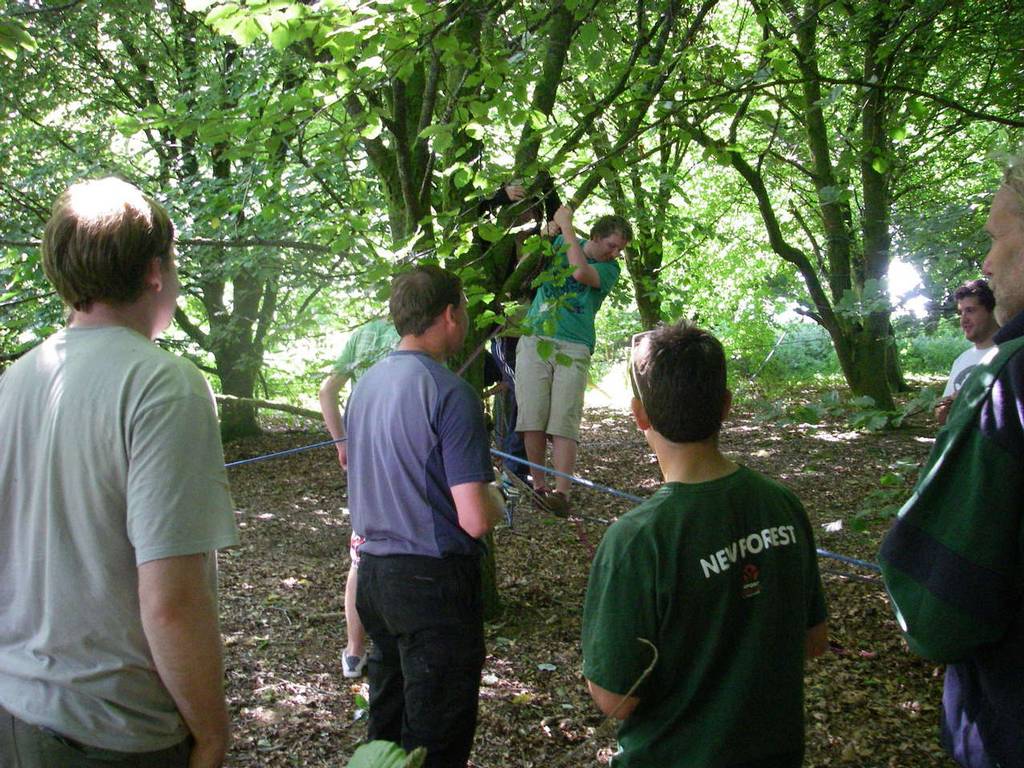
[954, 560]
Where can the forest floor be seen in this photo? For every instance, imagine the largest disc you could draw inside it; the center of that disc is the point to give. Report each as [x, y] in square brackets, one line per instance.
[869, 702]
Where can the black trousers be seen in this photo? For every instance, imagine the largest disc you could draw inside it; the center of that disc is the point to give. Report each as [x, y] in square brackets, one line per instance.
[425, 617]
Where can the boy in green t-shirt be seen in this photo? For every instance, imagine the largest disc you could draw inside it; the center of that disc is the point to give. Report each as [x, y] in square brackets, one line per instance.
[704, 601]
[368, 344]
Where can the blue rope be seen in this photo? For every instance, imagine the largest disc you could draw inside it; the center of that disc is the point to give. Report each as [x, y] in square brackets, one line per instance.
[850, 560]
[582, 481]
[579, 480]
[289, 452]
[639, 500]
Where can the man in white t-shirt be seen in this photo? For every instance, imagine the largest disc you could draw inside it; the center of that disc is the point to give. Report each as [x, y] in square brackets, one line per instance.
[975, 304]
[113, 501]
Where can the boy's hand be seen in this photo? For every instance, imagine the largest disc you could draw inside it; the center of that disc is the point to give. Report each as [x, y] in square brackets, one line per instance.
[563, 218]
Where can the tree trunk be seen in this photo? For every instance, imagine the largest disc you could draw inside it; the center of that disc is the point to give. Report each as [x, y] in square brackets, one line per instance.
[645, 288]
[864, 355]
[237, 378]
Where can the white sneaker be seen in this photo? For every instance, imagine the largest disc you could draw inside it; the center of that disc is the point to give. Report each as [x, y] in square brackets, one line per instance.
[353, 666]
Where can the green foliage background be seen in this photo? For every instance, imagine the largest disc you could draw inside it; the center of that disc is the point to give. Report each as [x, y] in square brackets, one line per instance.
[773, 159]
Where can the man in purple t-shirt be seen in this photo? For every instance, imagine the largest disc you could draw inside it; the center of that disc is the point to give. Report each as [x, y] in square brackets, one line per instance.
[420, 496]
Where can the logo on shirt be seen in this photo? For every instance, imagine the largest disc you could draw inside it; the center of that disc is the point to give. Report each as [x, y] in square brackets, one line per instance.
[751, 583]
[962, 377]
[752, 544]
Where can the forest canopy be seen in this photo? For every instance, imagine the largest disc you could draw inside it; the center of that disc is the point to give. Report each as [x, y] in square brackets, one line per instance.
[774, 158]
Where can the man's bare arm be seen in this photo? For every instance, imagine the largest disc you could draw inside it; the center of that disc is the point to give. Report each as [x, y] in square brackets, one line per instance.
[817, 640]
[179, 618]
[479, 507]
[612, 704]
[329, 391]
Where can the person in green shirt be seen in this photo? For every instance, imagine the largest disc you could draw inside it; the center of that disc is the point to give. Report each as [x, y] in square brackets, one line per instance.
[553, 359]
[367, 344]
[704, 601]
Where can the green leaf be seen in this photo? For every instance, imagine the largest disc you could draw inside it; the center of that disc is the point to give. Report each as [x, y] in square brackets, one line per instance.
[490, 232]
[378, 754]
[831, 195]
[246, 32]
[864, 401]
[372, 128]
[878, 422]
[462, 177]
[14, 36]
[545, 347]
[280, 37]
[587, 35]
[563, 359]
[890, 479]
[265, 23]
[808, 414]
[442, 140]
[405, 71]
[222, 17]
[880, 164]
[475, 131]
[487, 318]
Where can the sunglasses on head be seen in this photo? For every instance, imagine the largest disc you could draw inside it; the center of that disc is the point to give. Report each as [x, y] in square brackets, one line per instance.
[634, 345]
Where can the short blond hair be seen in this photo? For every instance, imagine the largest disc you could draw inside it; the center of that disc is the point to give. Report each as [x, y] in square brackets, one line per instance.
[1014, 179]
[100, 239]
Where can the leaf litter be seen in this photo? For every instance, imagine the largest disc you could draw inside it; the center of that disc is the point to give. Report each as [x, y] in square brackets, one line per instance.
[869, 702]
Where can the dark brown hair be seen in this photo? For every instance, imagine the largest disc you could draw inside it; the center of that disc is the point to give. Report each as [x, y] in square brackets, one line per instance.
[100, 239]
[609, 225]
[419, 295]
[679, 375]
[978, 289]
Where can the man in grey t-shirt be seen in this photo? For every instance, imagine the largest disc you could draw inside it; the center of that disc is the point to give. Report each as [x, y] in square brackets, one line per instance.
[113, 499]
[419, 495]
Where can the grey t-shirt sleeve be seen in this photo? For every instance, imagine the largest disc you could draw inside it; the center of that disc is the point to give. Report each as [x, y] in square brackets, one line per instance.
[178, 502]
[463, 437]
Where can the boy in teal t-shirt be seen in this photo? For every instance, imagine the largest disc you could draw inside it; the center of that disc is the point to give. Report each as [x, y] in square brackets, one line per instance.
[553, 359]
[704, 601]
[567, 309]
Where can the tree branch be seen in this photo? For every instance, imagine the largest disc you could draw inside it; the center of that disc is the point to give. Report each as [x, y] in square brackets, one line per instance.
[45, 9]
[192, 330]
[270, 405]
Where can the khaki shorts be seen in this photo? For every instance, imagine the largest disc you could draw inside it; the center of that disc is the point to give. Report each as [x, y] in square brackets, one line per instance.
[549, 396]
